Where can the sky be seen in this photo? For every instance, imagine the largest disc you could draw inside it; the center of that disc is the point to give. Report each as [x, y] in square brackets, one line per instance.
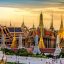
[15, 11]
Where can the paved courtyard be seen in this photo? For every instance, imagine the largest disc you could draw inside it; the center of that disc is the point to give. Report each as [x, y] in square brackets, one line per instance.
[32, 60]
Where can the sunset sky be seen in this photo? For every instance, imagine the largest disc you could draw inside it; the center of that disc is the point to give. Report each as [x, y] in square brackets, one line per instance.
[15, 11]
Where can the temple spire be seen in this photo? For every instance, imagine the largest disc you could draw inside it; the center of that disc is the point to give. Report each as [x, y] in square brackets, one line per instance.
[41, 42]
[61, 25]
[33, 26]
[41, 20]
[23, 25]
[10, 24]
[61, 31]
[51, 26]
[41, 26]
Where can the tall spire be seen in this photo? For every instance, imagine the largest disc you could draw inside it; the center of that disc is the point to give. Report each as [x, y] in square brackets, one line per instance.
[10, 24]
[41, 20]
[33, 26]
[23, 25]
[41, 26]
[61, 31]
[41, 42]
[51, 26]
[61, 26]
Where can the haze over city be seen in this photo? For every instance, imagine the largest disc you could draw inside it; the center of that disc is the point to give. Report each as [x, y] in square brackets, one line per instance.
[15, 11]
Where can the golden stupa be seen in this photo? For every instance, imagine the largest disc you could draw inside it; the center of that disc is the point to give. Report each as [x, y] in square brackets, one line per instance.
[61, 31]
[3, 61]
[61, 34]
[14, 41]
[41, 42]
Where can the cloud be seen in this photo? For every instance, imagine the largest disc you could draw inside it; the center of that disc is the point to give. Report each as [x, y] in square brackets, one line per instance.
[32, 3]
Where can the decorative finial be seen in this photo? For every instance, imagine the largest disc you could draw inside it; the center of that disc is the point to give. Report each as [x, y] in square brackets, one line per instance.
[10, 24]
[51, 26]
[61, 25]
[23, 25]
[33, 25]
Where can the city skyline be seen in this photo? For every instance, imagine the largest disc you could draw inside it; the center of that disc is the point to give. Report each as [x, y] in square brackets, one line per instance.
[15, 11]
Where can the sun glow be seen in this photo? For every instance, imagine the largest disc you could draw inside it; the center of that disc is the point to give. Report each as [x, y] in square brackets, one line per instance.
[30, 16]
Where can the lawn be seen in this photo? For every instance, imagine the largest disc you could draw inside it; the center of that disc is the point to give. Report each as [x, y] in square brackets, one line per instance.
[13, 63]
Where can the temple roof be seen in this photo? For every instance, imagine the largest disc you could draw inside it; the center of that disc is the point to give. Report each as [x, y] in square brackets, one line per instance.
[17, 29]
[47, 50]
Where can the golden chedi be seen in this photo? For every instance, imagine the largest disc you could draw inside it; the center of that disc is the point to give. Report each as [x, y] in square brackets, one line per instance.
[14, 41]
[41, 42]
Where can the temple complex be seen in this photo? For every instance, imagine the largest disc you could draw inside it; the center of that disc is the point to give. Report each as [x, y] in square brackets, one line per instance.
[46, 37]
